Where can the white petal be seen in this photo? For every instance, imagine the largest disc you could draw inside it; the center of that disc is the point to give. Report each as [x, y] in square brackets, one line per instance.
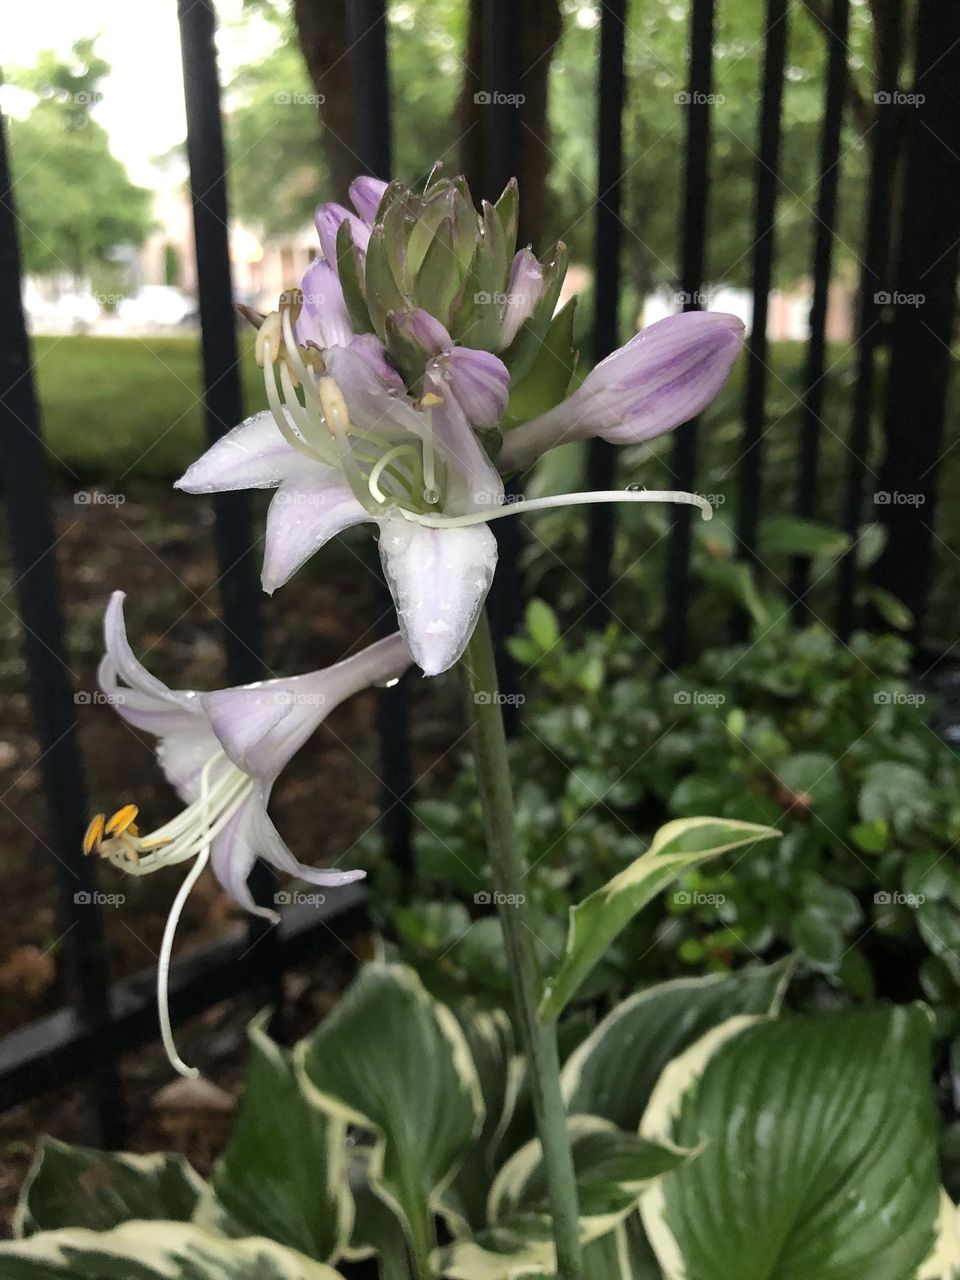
[262, 725]
[232, 857]
[251, 456]
[120, 664]
[439, 579]
[183, 754]
[270, 846]
[306, 512]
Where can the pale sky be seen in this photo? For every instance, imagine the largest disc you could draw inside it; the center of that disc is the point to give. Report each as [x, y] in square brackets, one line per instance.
[142, 107]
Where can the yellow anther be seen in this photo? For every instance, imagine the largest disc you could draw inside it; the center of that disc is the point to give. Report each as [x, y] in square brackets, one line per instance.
[269, 341]
[334, 406]
[122, 820]
[430, 400]
[94, 834]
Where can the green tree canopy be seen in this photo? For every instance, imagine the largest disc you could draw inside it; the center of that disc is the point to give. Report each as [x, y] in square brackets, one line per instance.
[74, 199]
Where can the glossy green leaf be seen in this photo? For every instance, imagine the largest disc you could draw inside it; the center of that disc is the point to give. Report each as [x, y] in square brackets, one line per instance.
[283, 1173]
[153, 1251]
[393, 1060]
[613, 1072]
[78, 1187]
[828, 1124]
[595, 922]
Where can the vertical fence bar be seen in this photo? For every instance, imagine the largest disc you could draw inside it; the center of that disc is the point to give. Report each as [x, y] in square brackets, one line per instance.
[237, 548]
[601, 456]
[696, 193]
[826, 213]
[501, 161]
[369, 58]
[771, 113]
[38, 593]
[873, 269]
[921, 357]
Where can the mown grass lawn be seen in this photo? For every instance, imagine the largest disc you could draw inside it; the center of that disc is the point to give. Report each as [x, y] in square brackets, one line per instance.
[118, 406]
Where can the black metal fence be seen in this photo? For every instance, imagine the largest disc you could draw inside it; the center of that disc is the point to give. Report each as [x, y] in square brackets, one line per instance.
[84, 1041]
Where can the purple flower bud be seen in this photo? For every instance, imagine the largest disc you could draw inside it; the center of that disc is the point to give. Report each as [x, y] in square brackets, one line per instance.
[323, 320]
[328, 218]
[664, 376]
[477, 380]
[523, 292]
[366, 194]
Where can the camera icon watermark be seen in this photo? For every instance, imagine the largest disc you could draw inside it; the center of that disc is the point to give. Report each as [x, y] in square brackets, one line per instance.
[698, 698]
[694, 898]
[897, 899]
[82, 898]
[97, 698]
[897, 98]
[896, 498]
[898, 299]
[97, 498]
[484, 898]
[698, 99]
[298, 99]
[487, 98]
[482, 698]
[898, 698]
[298, 898]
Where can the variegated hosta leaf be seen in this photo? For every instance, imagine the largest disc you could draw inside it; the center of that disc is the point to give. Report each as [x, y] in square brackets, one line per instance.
[153, 1251]
[614, 1070]
[819, 1156]
[498, 1254]
[612, 1169]
[377, 1230]
[78, 1187]
[500, 1072]
[283, 1173]
[622, 1254]
[944, 1260]
[393, 1060]
[595, 922]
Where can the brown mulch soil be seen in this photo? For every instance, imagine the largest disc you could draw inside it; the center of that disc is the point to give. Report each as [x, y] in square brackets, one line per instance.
[157, 547]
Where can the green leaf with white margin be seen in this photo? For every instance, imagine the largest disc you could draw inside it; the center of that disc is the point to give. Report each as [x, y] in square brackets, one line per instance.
[393, 1060]
[78, 1187]
[613, 1072]
[944, 1261]
[612, 1169]
[595, 922]
[283, 1173]
[500, 1070]
[828, 1121]
[377, 1230]
[153, 1251]
[623, 1254]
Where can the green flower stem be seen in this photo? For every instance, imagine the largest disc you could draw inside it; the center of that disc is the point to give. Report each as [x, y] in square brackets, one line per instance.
[509, 869]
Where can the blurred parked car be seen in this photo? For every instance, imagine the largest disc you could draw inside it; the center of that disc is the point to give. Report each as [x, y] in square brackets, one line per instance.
[157, 304]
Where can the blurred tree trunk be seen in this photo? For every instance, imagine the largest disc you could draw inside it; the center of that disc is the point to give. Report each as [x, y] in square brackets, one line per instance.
[322, 29]
[538, 28]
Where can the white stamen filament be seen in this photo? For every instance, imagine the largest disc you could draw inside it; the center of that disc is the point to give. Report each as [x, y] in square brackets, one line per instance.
[317, 441]
[381, 464]
[277, 409]
[170, 929]
[525, 505]
[184, 836]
